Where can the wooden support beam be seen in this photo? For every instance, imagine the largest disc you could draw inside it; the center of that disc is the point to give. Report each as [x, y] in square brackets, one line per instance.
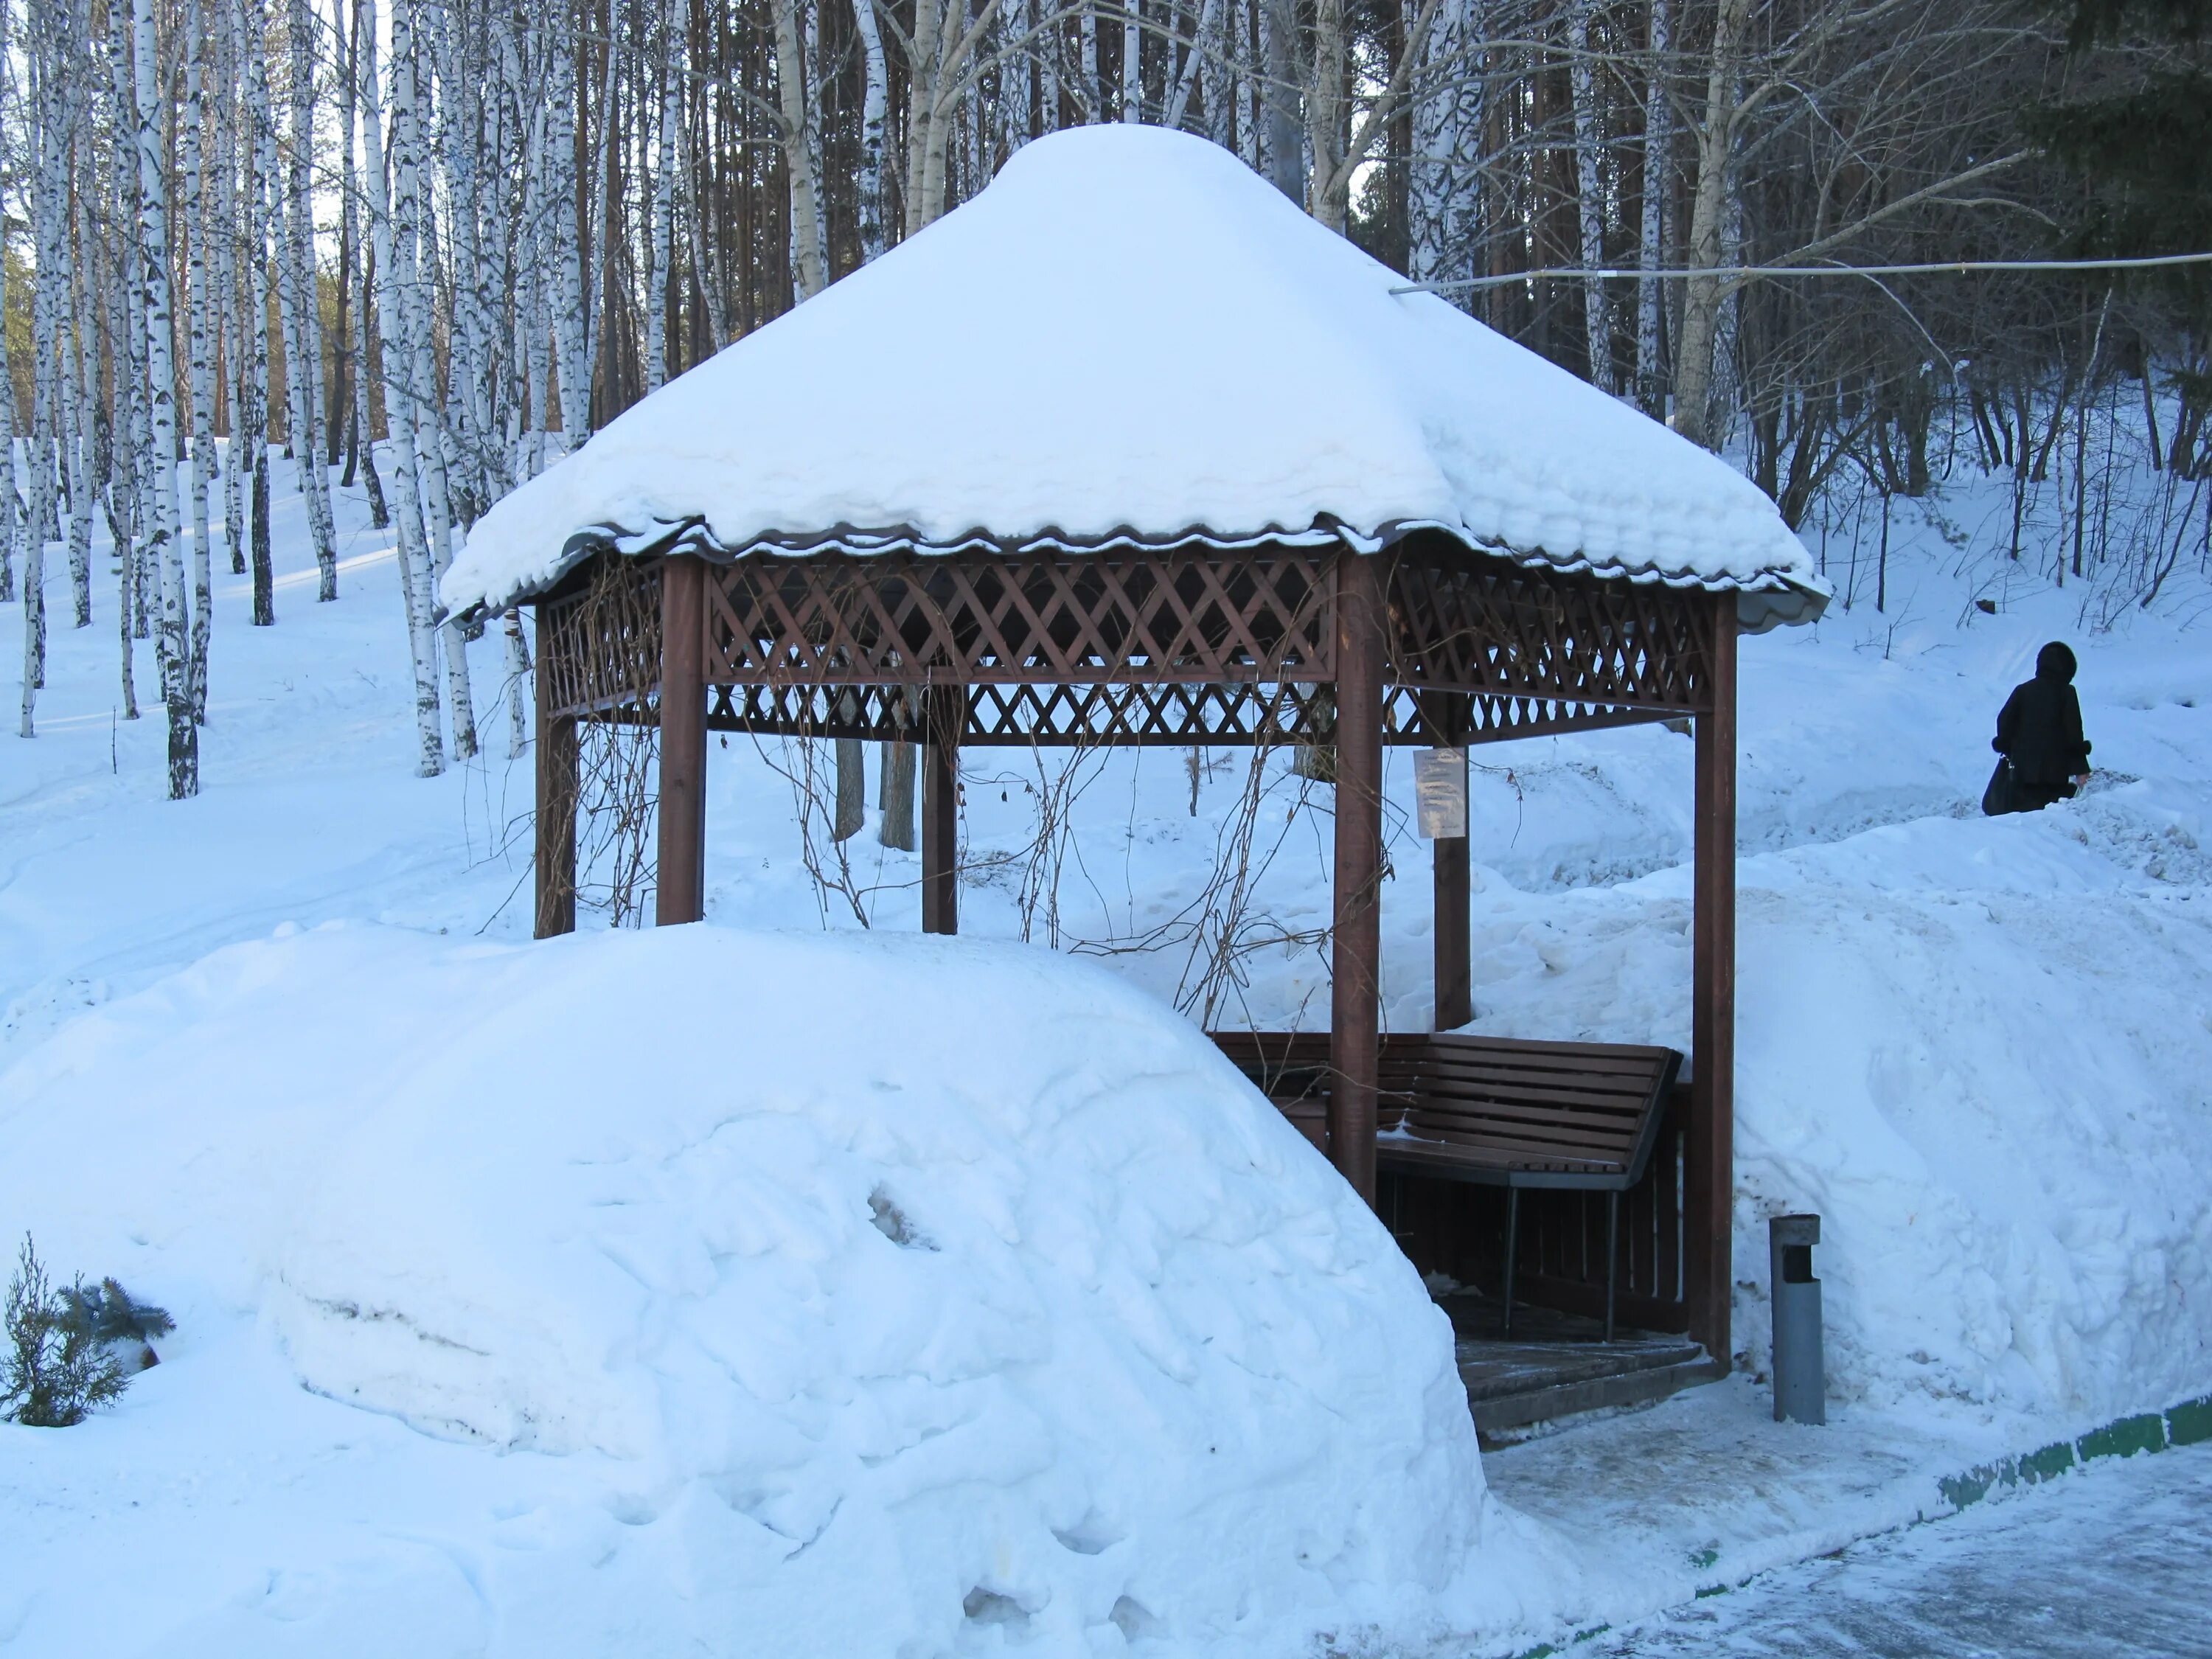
[944, 714]
[1445, 715]
[680, 885]
[1708, 1177]
[1454, 968]
[1355, 952]
[556, 769]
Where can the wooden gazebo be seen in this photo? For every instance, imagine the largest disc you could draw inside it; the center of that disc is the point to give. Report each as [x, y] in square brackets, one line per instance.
[1330, 632]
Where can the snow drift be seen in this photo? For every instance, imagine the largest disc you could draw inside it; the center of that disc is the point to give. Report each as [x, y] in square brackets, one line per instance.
[895, 1294]
[1130, 334]
[1977, 1047]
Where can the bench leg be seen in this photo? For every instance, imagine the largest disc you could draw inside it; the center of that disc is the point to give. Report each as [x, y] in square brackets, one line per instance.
[1612, 1256]
[1512, 1238]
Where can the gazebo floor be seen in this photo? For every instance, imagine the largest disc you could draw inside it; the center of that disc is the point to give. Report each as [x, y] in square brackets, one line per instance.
[1556, 1364]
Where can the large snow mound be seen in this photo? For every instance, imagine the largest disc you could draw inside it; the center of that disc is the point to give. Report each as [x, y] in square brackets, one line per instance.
[1978, 1048]
[894, 1294]
[1129, 332]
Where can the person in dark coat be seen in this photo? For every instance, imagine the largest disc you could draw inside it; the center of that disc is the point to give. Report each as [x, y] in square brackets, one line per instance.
[2039, 734]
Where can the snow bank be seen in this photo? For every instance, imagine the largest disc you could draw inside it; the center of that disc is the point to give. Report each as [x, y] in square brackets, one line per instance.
[891, 1295]
[1980, 1050]
[1131, 333]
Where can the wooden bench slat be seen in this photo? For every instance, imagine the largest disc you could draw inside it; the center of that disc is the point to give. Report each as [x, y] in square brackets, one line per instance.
[1514, 1098]
[1637, 1069]
[1556, 1119]
[1572, 1114]
[1564, 1146]
[1450, 1040]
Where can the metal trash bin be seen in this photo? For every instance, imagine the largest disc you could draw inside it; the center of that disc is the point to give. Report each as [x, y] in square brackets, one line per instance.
[1800, 1380]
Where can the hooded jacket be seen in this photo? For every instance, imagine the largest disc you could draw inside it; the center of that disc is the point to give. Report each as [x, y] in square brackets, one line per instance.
[2039, 729]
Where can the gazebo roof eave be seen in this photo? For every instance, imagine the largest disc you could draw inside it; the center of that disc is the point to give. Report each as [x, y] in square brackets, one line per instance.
[1772, 599]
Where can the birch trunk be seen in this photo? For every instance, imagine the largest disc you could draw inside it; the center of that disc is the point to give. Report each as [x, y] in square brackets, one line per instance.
[1589, 204]
[47, 190]
[395, 264]
[799, 159]
[1018, 78]
[202, 369]
[1132, 62]
[1327, 199]
[260, 192]
[1658, 172]
[1443, 195]
[303, 323]
[7, 425]
[225, 246]
[664, 208]
[414, 251]
[363, 448]
[569, 331]
[8, 430]
[1704, 296]
[875, 100]
[162, 378]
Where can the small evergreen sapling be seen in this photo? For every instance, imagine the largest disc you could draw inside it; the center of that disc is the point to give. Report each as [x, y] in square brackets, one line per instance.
[61, 1362]
[106, 1313]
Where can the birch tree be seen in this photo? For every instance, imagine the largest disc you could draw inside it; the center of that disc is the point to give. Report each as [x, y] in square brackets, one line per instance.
[198, 220]
[392, 223]
[1658, 174]
[153, 252]
[1445, 191]
[1590, 188]
[302, 313]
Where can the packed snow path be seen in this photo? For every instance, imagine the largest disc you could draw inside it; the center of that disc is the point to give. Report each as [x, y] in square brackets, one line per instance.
[2109, 1561]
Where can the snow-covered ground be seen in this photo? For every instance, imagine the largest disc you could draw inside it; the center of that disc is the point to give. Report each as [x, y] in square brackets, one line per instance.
[2109, 1561]
[1978, 1048]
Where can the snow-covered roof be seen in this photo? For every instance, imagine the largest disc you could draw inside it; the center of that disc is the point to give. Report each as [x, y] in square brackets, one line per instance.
[1130, 336]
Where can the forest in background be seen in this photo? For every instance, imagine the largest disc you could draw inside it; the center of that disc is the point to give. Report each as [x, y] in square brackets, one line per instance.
[430, 247]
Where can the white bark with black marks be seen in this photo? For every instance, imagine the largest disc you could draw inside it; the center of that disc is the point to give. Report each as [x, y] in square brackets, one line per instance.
[161, 381]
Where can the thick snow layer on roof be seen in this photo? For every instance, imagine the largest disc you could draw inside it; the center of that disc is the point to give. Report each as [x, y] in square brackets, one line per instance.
[845, 1295]
[1129, 332]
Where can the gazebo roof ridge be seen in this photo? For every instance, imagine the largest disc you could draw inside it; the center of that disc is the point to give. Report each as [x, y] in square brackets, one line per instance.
[1129, 339]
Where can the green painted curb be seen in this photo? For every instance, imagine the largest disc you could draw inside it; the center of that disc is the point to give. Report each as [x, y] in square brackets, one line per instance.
[2125, 1439]
[2186, 1424]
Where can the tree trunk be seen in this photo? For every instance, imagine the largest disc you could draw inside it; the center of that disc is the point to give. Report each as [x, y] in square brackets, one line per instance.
[1658, 171]
[303, 325]
[161, 380]
[202, 368]
[394, 257]
[1589, 204]
[1705, 295]
[798, 158]
[1443, 193]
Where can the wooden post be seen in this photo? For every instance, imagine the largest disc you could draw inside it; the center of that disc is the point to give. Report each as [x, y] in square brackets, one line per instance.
[944, 714]
[1708, 1180]
[556, 769]
[680, 885]
[1356, 957]
[1455, 975]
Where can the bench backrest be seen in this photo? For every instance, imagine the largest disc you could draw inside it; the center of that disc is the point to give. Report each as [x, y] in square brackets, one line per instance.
[1580, 1111]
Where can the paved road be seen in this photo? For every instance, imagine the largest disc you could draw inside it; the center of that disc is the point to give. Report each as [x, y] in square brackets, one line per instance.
[2115, 1560]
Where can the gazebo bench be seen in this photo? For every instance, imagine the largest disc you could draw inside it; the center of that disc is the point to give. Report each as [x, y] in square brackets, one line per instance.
[1493, 1111]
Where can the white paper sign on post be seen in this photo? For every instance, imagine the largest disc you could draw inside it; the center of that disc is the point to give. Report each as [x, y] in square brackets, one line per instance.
[1440, 788]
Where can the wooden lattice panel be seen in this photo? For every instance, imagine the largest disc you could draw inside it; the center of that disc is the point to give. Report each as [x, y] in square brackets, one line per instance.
[1175, 715]
[1188, 646]
[1540, 649]
[598, 642]
[1152, 616]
